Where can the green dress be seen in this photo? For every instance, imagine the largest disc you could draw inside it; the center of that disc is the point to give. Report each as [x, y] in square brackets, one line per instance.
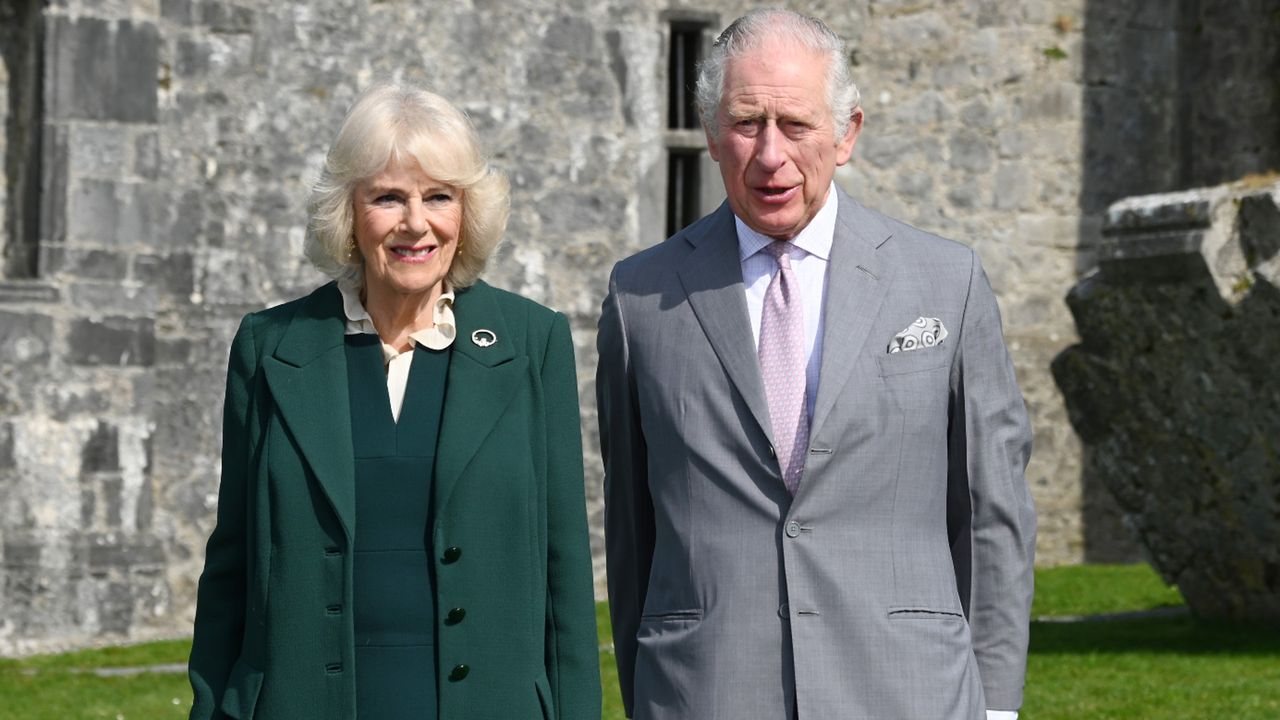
[394, 587]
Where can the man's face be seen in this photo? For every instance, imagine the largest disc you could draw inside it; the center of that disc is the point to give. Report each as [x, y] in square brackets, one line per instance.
[776, 147]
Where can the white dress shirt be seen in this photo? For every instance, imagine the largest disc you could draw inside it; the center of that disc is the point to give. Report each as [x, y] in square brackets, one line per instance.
[810, 254]
[810, 251]
[396, 363]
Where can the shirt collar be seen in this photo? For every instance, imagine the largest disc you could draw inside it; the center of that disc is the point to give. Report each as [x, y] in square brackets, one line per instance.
[815, 238]
[436, 338]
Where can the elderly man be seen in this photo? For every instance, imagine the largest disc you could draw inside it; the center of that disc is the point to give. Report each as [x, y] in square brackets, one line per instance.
[814, 443]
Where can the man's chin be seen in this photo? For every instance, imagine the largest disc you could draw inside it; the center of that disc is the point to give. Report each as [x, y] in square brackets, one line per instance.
[780, 226]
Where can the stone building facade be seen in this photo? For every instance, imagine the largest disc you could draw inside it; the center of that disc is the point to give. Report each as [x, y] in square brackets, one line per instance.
[158, 155]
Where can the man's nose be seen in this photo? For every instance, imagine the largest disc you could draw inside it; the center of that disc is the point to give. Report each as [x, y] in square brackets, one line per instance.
[769, 153]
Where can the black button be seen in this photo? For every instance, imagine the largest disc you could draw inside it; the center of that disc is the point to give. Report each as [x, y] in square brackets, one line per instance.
[452, 554]
[455, 616]
[459, 672]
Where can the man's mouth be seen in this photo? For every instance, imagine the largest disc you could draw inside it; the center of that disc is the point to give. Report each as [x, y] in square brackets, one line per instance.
[776, 194]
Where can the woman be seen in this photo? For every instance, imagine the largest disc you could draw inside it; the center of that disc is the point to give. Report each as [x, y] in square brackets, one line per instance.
[401, 527]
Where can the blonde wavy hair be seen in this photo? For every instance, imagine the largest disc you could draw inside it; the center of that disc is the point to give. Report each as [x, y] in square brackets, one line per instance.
[388, 124]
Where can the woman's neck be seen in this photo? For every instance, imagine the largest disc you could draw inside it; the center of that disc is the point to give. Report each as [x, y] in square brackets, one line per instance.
[397, 316]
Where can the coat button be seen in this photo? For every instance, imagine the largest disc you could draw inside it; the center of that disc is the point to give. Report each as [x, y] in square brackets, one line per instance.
[452, 554]
[784, 611]
[793, 529]
[455, 616]
[459, 672]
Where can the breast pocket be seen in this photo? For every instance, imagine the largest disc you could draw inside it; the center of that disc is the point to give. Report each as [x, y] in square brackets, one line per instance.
[918, 382]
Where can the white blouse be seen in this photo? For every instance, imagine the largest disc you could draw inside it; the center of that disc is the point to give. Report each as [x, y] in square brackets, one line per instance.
[394, 362]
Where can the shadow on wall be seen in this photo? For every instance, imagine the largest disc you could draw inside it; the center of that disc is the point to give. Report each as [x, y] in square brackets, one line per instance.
[1177, 95]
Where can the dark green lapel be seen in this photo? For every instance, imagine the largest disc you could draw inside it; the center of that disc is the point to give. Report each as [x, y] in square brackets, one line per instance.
[308, 380]
[482, 382]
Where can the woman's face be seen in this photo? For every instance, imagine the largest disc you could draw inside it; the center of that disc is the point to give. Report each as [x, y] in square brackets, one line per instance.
[406, 227]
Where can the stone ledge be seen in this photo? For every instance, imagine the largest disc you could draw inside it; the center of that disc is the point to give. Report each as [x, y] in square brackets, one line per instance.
[28, 291]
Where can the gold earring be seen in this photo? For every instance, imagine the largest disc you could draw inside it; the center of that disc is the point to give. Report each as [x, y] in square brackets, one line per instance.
[352, 251]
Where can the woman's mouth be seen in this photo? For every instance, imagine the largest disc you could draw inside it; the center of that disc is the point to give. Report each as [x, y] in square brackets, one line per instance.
[412, 254]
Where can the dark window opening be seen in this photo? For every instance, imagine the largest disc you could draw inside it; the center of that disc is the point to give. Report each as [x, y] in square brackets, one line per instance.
[22, 52]
[683, 182]
[682, 75]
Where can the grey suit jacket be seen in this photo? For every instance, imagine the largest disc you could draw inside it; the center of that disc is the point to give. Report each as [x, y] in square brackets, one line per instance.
[897, 583]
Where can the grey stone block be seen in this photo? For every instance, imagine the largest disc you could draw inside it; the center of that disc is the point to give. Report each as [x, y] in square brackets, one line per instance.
[7, 459]
[191, 58]
[970, 152]
[172, 275]
[100, 151]
[93, 211]
[101, 452]
[108, 551]
[112, 341]
[179, 12]
[124, 298]
[87, 264]
[22, 554]
[225, 17]
[102, 70]
[115, 608]
[25, 338]
[572, 36]
[56, 160]
[146, 155]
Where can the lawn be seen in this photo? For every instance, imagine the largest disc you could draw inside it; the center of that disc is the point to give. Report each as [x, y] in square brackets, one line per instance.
[1162, 666]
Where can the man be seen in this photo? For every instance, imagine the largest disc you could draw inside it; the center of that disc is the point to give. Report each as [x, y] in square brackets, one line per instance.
[814, 444]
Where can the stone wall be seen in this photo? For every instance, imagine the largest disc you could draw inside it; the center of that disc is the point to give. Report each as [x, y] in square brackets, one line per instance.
[1174, 392]
[180, 137]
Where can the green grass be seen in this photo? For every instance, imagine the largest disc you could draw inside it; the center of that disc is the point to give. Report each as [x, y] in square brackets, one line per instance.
[1100, 590]
[46, 687]
[1128, 669]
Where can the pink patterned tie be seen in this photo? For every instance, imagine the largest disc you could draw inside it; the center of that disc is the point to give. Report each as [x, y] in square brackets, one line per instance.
[782, 366]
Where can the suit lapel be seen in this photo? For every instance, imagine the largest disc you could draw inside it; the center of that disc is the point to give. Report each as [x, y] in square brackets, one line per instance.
[856, 284]
[482, 382]
[308, 380]
[712, 279]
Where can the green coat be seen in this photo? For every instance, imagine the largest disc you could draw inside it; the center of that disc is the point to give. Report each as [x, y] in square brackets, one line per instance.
[274, 637]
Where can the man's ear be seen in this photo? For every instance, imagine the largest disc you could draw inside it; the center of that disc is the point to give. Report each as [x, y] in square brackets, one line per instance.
[844, 148]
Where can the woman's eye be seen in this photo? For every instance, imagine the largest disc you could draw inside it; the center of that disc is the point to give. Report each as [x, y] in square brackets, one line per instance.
[385, 199]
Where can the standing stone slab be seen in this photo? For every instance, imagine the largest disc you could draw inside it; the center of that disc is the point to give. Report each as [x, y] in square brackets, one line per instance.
[1174, 390]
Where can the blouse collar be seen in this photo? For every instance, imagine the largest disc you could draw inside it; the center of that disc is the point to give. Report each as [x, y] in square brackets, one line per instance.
[436, 338]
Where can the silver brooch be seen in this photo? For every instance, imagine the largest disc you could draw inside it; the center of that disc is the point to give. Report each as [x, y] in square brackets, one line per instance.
[483, 337]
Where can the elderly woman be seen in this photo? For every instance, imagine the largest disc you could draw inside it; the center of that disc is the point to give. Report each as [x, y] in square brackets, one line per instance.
[401, 528]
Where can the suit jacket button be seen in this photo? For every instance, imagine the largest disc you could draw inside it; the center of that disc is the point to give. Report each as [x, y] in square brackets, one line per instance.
[773, 451]
[793, 529]
[784, 611]
[452, 554]
[455, 616]
[459, 672]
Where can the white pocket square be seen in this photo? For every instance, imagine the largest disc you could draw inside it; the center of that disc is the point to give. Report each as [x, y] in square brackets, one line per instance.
[923, 333]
